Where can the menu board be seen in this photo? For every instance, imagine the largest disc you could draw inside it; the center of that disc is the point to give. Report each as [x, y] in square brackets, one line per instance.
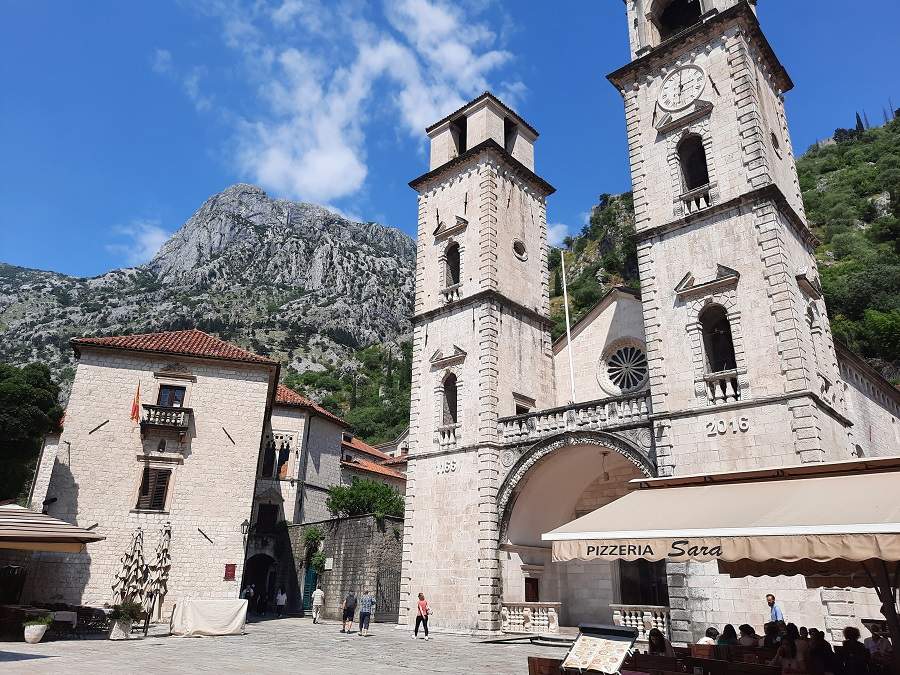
[597, 654]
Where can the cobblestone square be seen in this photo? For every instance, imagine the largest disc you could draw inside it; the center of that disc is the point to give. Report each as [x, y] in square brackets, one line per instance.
[290, 645]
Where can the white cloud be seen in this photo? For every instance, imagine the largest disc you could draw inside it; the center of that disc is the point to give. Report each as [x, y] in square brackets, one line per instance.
[161, 61]
[145, 238]
[556, 233]
[324, 71]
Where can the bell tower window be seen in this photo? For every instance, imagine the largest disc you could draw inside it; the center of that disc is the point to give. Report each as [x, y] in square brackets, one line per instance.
[451, 266]
[675, 16]
[450, 410]
[692, 157]
[717, 340]
[458, 129]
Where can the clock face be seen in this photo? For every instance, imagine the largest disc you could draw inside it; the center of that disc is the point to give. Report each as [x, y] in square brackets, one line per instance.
[682, 87]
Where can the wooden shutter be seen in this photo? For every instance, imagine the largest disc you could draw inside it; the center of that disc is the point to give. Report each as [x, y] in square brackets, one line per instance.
[154, 486]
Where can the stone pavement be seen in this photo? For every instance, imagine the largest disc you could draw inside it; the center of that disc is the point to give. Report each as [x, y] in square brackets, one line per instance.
[290, 645]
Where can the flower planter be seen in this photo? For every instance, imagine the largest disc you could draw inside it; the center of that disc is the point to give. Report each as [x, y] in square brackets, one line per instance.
[34, 634]
[120, 629]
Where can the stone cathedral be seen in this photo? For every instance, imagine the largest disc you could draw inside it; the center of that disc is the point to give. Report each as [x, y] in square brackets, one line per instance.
[723, 361]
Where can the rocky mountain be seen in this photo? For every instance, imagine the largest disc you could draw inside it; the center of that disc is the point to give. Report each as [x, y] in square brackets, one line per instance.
[290, 280]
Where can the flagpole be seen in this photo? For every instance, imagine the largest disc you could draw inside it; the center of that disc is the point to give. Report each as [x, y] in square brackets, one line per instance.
[562, 262]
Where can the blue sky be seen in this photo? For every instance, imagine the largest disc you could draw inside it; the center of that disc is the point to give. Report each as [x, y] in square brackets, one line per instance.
[118, 119]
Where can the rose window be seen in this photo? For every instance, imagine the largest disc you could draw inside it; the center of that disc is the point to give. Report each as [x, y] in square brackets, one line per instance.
[624, 369]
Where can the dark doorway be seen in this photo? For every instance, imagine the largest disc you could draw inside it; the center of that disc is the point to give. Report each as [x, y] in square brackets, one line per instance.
[259, 571]
[532, 590]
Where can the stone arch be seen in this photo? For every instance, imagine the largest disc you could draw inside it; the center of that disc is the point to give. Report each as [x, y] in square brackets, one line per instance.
[543, 448]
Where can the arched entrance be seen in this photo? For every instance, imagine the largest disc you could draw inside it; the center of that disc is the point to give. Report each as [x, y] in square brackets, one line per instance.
[260, 571]
[552, 488]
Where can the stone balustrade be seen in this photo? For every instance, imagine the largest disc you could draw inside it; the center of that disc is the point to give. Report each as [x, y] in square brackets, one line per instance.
[697, 199]
[451, 293]
[600, 414]
[447, 436]
[530, 617]
[166, 417]
[643, 618]
[722, 387]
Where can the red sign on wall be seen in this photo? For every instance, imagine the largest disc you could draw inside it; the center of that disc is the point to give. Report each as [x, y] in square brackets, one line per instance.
[229, 571]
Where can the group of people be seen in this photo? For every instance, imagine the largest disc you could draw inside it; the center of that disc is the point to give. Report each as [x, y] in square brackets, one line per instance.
[798, 650]
[258, 602]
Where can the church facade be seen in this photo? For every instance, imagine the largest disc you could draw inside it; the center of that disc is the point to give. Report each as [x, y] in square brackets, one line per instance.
[723, 361]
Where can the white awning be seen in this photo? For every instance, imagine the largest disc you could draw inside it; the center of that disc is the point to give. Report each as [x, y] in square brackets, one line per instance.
[842, 511]
[27, 530]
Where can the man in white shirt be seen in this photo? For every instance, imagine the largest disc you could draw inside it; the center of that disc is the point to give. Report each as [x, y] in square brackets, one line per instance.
[318, 601]
[280, 601]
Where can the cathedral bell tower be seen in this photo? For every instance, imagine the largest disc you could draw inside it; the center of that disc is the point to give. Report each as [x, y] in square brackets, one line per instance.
[481, 350]
[743, 370]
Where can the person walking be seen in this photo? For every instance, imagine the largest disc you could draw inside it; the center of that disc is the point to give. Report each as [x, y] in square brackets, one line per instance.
[366, 607]
[318, 601]
[280, 601]
[348, 609]
[422, 612]
[775, 613]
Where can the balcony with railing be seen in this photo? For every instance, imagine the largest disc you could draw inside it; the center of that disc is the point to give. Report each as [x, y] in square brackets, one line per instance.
[448, 436]
[451, 293]
[722, 387]
[165, 417]
[644, 618]
[530, 617]
[632, 409]
[697, 199]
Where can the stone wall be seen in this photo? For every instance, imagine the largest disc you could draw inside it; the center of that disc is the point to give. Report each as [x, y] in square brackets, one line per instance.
[96, 477]
[362, 549]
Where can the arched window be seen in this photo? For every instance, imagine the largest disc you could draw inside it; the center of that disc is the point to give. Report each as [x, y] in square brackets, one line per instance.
[450, 399]
[675, 16]
[692, 157]
[451, 265]
[717, 340]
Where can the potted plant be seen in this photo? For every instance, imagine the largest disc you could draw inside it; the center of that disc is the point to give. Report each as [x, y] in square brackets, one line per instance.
[35, 628]
[122, 617]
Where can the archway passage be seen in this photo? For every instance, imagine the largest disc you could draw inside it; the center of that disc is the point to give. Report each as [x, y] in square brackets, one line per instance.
[259, 571]
[564, 485]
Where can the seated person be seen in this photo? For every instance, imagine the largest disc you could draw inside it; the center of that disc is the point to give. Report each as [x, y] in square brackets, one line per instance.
[788, 658]
[854, 656]
[728, 636]
[820, 659]
[748, 636]
[710, 637]
[658, 645]
[772, 636]
[878, 644]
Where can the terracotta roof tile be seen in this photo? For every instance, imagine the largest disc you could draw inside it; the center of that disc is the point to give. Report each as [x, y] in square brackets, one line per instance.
[402, 459]
[356, 444]
[287, 396]
[371, 467]
[179, 342]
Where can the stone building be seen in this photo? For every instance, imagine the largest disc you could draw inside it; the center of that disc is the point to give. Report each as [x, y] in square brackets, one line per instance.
[724, 361]
[184, 429]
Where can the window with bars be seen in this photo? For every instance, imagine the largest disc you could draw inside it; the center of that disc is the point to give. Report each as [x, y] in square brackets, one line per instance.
[154, 486]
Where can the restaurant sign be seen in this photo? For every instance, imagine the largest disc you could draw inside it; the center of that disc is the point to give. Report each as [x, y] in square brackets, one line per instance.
[674, 550]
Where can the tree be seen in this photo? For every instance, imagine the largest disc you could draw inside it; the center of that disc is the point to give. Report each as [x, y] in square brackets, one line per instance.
[364, 496]
[29, 410]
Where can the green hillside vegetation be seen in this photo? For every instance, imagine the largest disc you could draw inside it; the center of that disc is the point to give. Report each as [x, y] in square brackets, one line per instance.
[851, 189]
[373, 397]
[852, 194]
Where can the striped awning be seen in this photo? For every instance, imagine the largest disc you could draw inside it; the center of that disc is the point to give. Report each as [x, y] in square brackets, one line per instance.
[27, 530]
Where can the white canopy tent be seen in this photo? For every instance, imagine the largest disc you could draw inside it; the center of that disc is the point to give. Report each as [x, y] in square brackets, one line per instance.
[833, 520]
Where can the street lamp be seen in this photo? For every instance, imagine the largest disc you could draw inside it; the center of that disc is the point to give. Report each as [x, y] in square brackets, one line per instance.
[245, 527]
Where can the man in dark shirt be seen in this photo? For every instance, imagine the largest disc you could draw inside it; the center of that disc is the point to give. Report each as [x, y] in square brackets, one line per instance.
[349, 609]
